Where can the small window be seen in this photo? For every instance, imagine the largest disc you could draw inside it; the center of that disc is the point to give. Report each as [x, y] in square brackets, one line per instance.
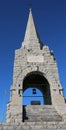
[34, 91]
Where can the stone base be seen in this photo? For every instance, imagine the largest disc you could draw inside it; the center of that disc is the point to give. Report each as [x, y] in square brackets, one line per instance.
[34, 126]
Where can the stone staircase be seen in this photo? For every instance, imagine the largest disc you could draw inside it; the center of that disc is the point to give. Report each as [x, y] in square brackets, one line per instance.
[39, 118]
[37, 113]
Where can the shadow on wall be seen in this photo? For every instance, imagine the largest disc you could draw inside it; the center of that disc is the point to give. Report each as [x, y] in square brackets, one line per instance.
[24, 114]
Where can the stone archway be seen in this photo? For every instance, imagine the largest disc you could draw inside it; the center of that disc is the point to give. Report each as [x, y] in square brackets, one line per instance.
[37, 80]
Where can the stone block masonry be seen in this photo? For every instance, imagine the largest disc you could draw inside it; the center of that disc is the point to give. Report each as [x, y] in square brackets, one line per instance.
[34, 126]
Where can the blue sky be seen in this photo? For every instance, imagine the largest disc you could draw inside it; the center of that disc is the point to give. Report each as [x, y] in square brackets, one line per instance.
[50, 19]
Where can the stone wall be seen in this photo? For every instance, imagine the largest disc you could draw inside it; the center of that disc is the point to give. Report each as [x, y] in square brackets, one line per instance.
[27, 62]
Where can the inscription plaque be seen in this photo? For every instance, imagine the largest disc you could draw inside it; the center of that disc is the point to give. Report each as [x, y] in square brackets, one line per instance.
[35, 58]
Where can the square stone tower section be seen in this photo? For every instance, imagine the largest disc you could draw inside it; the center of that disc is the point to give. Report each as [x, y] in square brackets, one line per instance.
[34, 63]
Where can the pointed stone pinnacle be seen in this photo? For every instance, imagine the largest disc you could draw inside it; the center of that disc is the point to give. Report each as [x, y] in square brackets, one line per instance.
[31, 38]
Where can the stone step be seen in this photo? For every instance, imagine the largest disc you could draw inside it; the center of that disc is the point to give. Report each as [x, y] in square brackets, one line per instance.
[41, 113]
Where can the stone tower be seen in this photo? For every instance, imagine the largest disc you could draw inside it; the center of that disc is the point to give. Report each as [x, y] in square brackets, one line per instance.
[35, 65]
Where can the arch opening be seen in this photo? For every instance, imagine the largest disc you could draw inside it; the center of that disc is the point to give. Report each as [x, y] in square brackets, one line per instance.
[36, 80]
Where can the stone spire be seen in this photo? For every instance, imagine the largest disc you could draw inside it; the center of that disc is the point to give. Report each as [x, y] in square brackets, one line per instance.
[31, 39]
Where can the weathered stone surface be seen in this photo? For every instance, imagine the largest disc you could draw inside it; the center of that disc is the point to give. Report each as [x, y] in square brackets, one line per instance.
[41, 114]
[34, 126]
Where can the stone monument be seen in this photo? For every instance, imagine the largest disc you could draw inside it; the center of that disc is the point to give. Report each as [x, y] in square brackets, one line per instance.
[35, 65]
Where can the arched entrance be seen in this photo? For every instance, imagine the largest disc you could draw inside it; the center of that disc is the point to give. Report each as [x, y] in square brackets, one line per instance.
[37, 80]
